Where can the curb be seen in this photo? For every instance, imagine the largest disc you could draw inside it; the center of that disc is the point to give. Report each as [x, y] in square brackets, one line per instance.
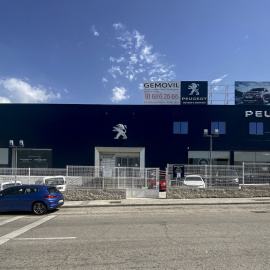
[163, 204]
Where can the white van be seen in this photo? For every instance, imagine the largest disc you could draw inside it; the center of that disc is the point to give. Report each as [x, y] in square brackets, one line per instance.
[10, 184]
[56, 181]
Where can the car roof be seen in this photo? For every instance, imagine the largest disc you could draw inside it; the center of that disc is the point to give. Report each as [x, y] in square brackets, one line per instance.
[31, 186]
[258, 89]
[54, 177]
[226, 170]
[10, 182]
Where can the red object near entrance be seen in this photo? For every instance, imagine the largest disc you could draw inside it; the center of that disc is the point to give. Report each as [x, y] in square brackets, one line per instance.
[162, 182]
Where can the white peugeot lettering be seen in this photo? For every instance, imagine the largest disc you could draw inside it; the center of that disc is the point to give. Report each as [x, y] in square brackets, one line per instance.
[266, 115]
[248, 113]
[258, 114]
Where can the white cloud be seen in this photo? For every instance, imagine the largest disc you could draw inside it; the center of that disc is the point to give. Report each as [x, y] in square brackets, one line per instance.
[219, 79]
[4, 100]
[118, 26]
[139, 39]
[115, 69]
[133, 60]
[95, 32]
[18, 91]
[119, 60]
[136, 58]
[119, 94]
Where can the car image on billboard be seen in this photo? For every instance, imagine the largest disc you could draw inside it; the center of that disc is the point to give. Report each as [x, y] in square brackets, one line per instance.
[255, 93]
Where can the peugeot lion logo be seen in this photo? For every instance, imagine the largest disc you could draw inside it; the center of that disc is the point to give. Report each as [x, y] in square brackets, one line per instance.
[121, 129]
[195, 89]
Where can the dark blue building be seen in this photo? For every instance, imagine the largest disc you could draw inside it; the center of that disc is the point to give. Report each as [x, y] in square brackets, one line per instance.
[56, 135]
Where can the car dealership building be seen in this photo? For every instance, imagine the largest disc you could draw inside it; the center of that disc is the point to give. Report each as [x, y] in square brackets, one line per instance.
[57, 135]
[151, 135]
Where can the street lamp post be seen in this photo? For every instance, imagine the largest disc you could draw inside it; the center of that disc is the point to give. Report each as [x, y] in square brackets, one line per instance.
[205, 134]
[12, 145]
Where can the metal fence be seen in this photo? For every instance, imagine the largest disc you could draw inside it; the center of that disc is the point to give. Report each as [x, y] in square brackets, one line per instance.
[219, 175]
[147, 178]
[27, 175]
[117, 177]
[87, 177]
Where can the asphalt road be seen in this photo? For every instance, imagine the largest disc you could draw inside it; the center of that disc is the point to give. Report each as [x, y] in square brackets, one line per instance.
[165, 237]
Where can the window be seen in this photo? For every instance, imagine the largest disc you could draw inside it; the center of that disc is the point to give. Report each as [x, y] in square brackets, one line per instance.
[180, 127]
[256, 128]
[31, 190]
[203, 157]
[221, 126]
[13, 191]
[251, 157]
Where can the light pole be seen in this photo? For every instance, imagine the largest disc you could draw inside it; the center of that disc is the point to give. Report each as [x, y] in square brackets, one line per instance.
[11, 145]
[205, 134]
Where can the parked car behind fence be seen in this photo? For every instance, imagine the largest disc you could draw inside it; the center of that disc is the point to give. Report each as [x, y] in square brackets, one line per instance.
[10, 184]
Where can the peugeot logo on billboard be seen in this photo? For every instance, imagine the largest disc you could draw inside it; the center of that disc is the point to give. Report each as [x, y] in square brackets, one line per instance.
[195, 89]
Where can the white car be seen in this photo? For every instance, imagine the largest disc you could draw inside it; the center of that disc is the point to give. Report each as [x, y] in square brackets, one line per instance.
[10, 184]
[194, 181]
[56, 181]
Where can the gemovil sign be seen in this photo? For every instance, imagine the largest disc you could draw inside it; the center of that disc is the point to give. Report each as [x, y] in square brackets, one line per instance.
[257, 114]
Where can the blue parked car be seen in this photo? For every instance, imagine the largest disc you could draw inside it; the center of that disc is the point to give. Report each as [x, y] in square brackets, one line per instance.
[35, 198]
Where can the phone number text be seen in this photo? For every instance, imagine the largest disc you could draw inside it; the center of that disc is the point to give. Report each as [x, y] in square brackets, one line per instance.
[161, 96]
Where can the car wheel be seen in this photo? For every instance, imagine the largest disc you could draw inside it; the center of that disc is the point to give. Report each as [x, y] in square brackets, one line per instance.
[39, 208]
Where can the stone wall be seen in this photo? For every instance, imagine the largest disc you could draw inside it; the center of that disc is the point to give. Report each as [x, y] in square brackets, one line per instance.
[193, 193]
[94, 194]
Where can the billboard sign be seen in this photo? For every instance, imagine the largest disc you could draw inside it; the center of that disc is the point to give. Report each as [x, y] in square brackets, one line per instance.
[161, 92]
[178, 171]
[255, 93]
[194, 92]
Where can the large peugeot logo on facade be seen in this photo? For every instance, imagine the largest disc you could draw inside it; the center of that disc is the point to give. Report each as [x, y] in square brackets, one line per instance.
[121, 131]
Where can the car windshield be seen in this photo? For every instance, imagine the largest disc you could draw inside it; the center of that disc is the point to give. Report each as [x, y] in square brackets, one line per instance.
[162, 178]
[54, 182]
[226, 173]
[193, 178]
[53, 190]
[256, 90]
[11, 185]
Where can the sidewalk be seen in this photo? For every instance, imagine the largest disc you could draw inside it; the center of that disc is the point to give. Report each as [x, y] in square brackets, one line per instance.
[164, 201]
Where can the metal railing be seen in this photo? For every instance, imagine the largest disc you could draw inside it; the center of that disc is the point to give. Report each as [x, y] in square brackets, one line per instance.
[87, 176]
[221, 176]
[117, 177]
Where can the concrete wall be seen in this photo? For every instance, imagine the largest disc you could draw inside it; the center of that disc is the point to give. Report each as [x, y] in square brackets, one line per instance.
[172, 193]
[94, 194]
[193, 193]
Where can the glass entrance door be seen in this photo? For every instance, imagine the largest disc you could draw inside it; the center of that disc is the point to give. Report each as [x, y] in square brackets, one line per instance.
[124, 161]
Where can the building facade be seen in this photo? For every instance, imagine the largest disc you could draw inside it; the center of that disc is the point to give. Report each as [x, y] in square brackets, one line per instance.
[57, 135]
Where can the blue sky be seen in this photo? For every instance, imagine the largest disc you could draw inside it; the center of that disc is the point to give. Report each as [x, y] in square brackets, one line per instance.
[101, 51]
